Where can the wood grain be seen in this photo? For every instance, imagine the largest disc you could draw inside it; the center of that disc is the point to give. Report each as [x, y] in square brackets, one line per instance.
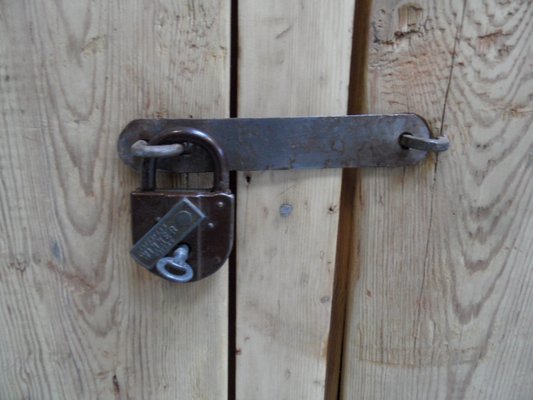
[441, 292]
[78, 319]
[294, 60]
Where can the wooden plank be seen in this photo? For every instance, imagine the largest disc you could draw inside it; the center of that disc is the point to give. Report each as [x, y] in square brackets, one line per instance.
[294, 60]
[78, 319]
[441, 292]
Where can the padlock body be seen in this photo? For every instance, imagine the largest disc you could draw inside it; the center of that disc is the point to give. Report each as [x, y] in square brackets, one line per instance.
[210, 242]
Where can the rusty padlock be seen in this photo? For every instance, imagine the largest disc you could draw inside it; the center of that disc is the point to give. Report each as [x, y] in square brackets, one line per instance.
[196, 226]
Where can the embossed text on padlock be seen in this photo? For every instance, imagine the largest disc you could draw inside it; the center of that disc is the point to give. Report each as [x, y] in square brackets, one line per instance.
[163, 219]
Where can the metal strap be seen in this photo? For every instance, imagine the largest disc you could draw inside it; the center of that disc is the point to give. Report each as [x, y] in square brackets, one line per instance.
[350, 141]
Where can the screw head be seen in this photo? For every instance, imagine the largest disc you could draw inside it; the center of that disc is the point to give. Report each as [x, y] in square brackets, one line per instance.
[285, 210]
[220, 204]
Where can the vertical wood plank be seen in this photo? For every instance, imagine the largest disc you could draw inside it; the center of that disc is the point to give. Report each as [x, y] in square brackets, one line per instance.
[293, 60]
[441, 294]
[78, 319]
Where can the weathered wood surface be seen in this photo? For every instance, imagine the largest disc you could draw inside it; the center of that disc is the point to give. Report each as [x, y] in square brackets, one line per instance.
[294, 60]
[441, 292]
[78, 319]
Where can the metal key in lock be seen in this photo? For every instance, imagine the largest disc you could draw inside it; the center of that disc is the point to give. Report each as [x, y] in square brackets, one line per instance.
[183, 235]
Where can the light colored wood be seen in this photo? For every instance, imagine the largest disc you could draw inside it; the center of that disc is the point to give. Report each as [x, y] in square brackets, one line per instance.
[78, 319]
[294, 60]
[441, 294]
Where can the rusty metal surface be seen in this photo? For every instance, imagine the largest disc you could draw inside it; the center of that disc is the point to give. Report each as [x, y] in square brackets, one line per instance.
[351, 141]
[210, 242]
[196, 139]
[169, 231]
[166, 219]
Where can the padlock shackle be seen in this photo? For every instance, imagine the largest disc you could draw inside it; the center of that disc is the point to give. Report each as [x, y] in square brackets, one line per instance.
[189, 135]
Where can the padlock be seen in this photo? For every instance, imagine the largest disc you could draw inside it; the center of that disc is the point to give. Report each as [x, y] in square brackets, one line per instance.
[196, 226]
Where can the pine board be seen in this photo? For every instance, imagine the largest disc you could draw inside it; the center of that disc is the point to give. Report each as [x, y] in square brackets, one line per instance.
[294, 60]
[440, 300]
[78, 319]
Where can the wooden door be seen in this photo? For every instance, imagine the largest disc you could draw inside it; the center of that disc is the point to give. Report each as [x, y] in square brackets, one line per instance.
[372, 284]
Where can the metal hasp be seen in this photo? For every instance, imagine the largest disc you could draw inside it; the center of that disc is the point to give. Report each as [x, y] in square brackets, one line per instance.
[351, 141]
[184, 236]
